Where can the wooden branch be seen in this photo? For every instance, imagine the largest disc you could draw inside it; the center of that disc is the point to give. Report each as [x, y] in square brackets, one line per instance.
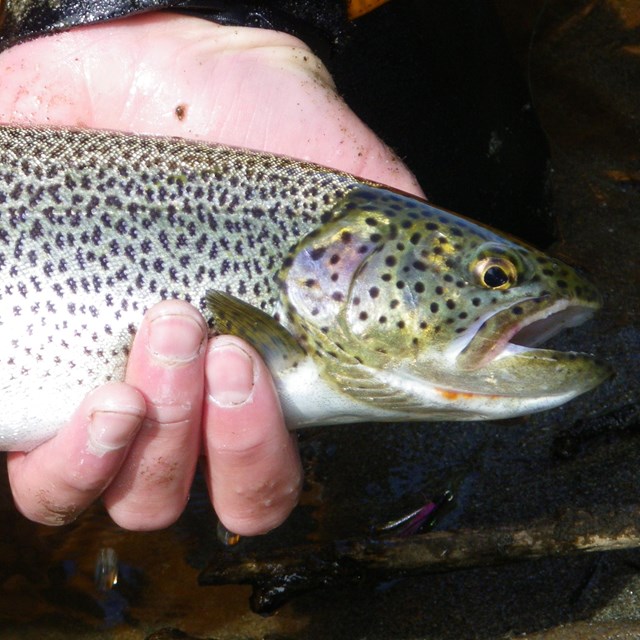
[290, 572]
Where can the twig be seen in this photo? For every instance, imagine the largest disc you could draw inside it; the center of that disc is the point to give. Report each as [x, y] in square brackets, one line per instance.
[290, 572]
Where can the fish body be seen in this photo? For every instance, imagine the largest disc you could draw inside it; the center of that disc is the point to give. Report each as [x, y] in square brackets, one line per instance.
[366, 304]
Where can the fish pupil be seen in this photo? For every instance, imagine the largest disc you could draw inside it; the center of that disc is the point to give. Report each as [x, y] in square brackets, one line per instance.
[495, 277]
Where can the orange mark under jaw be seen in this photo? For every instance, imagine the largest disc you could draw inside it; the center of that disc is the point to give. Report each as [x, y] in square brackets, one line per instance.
[461, 395]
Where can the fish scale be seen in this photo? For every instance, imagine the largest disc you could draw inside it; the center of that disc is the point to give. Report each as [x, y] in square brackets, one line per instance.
[96, 227]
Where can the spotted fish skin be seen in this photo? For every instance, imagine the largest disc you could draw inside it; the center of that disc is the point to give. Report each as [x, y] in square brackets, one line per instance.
[96, 227]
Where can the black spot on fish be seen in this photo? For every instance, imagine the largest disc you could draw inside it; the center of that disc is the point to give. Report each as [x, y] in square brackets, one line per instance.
[317, 253]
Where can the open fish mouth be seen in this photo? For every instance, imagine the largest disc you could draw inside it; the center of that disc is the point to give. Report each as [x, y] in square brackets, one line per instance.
[498, 357]
[517, 329]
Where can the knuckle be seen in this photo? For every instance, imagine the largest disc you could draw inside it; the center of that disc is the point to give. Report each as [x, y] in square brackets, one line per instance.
[168, 413]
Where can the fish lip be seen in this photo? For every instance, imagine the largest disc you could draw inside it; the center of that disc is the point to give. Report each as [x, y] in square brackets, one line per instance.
[520, 333]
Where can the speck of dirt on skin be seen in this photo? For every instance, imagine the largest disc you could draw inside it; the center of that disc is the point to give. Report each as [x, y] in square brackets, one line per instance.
[56, 515]
[181, 112]
[161, 472]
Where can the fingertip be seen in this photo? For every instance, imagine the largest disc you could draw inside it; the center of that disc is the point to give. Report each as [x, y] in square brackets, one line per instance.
[258, 509]
[156, 515]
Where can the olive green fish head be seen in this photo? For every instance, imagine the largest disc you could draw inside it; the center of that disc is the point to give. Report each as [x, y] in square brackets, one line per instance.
[428, 315]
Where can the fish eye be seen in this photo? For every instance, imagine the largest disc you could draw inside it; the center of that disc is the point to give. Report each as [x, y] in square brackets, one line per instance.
[496, 272]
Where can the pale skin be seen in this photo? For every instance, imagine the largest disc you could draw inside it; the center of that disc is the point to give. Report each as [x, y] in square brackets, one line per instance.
[136, 443]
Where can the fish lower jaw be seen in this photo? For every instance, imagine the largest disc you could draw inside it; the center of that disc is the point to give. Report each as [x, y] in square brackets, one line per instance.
[457, 403]
[309, 400]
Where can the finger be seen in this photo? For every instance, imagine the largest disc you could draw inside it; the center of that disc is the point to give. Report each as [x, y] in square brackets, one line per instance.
[56, 481]
[166, 364]
[252, 466]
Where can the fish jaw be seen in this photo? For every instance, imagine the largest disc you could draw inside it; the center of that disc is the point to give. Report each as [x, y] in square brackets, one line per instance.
[553, 378]
[308, 398]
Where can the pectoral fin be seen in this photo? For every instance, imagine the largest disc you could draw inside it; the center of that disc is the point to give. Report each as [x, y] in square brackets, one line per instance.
[273, 342]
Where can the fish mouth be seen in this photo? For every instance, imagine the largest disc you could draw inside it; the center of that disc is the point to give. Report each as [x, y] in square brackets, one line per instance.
[498, 355]
[517, 328]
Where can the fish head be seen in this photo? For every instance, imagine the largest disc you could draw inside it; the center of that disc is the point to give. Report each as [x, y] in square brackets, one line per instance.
[445, 312]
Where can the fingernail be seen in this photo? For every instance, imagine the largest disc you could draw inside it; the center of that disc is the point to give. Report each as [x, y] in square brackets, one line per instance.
[230, 376]
[175, 338]
[111, 430]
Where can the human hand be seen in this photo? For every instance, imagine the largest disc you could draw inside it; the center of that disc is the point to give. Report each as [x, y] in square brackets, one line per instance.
[136, 443]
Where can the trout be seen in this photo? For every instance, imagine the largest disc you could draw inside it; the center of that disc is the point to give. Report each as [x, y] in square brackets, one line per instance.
[367, 304]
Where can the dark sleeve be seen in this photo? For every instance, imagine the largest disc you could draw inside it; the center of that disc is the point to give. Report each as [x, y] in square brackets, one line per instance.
[322, 24]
